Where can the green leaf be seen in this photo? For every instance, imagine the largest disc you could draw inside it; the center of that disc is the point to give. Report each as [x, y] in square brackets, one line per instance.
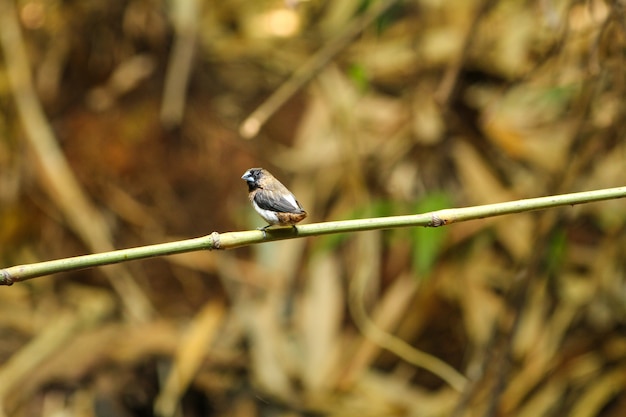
[557, 251]
[428, 242]
[358, 75]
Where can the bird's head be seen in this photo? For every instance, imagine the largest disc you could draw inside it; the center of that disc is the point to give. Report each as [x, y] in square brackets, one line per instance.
[254, 178]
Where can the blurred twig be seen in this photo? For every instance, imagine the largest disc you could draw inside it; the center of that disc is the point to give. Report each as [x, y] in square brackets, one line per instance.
[55, 174]
[191, 352]
[448, 84]
[185, 17]
[93, 306]
[232, 240]
[399, 347]
[253, 123]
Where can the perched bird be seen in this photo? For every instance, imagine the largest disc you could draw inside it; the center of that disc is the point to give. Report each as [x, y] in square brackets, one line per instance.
[271, 199]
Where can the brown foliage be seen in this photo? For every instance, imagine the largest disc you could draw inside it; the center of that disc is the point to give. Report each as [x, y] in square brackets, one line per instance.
[480, 101]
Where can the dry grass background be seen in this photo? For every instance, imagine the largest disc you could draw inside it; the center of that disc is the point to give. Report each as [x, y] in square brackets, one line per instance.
[434, 104]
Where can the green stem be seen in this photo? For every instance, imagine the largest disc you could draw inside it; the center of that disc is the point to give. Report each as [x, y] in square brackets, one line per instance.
[231, 240]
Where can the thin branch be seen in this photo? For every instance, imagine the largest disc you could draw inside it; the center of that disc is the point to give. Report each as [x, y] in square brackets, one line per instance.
[185, 16]
[55, 173]
[396, 345]
[449, 82]
[232, 240]
[253, 123]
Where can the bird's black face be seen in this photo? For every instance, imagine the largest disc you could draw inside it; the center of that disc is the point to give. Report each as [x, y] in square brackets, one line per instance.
[252, 177]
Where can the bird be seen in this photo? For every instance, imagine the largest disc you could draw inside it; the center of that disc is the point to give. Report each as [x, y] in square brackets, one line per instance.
[271, 199]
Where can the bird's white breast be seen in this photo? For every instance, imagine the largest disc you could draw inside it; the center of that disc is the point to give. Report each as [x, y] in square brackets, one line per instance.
[269, 216]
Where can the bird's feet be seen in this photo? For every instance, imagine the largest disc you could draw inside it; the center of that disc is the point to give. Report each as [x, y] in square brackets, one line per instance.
[263, 230]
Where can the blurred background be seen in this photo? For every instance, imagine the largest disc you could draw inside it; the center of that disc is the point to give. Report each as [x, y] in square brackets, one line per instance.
[128, 123]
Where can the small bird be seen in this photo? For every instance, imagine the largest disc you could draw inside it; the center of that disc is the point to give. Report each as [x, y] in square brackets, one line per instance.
[271, 199]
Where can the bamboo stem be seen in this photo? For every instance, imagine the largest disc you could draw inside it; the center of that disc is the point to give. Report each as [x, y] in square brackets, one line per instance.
[230, 240]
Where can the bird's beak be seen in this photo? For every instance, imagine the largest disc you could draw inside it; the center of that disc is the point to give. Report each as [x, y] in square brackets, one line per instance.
[246, 176]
